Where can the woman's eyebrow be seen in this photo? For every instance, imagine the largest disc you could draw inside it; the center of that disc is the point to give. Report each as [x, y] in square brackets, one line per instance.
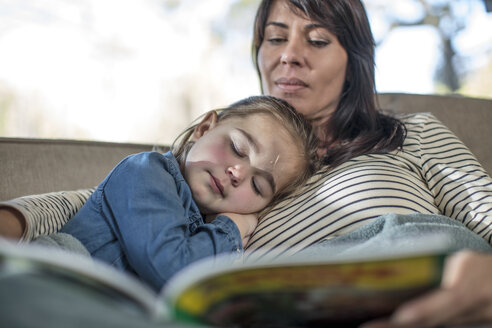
[308, 27]
[313, 26]
[282, 25]
[254, 145]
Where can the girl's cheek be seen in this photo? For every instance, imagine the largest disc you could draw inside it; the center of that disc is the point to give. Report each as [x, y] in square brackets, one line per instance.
[245, 198]
[250, 202]
[221, 152]
[244, 194]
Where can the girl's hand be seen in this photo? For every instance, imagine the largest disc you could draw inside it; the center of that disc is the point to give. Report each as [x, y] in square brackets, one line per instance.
[246, 223]
[464, 298]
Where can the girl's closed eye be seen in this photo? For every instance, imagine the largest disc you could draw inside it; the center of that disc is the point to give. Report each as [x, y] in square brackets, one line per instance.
[237, 150]
[256, 188]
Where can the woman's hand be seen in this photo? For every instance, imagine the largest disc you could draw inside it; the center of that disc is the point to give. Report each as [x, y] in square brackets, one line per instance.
[12, 223]
[246, 223]
[465, 297]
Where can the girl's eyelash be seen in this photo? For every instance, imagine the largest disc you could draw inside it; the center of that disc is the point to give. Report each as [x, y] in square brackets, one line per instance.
[255, 187]
[236, 150]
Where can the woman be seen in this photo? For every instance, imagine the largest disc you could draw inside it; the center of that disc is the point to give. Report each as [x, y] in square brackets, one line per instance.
[319, 56]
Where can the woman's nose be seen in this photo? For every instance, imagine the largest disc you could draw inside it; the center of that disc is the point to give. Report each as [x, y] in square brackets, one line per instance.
[292, 54]
[237, 174]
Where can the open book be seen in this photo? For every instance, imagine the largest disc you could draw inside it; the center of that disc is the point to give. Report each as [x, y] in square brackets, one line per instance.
[294, 291]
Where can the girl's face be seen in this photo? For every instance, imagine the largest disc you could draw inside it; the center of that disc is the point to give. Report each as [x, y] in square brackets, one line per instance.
[302, 63]
[237, 165]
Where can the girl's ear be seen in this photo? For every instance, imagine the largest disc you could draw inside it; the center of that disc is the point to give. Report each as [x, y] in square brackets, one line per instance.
[207, 123]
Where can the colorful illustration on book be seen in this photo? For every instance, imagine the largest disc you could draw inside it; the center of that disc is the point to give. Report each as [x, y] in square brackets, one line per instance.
[311, 294]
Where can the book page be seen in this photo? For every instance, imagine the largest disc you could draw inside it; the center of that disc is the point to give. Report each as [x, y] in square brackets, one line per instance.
[303, 293]
[33, 259]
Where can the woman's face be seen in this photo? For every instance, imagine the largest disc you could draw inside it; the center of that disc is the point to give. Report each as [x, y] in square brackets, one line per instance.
[302, 63]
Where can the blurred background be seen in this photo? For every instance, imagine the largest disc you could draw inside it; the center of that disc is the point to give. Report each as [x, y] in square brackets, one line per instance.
[142, 70]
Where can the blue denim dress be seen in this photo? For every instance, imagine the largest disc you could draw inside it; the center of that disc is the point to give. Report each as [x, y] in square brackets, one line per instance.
[142, 218]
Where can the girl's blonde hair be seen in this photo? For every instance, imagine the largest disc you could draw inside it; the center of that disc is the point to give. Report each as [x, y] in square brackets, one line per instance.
[294, 123]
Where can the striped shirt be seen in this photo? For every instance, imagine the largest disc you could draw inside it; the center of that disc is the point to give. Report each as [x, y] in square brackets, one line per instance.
[434, 172]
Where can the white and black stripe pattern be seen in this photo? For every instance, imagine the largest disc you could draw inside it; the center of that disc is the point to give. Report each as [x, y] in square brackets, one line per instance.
[433, 173]
[47, 213]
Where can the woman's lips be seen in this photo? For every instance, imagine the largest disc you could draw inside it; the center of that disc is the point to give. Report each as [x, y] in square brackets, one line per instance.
[290, 85]
[216, 185]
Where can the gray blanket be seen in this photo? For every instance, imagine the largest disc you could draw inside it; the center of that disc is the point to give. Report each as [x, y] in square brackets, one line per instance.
[396, 233]
[62, 241]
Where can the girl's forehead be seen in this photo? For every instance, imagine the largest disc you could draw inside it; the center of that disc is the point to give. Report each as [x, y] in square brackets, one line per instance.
[261, 124]
[253, 118]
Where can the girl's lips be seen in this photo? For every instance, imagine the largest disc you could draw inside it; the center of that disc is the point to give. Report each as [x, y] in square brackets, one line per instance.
[216, 185]
[290, 85]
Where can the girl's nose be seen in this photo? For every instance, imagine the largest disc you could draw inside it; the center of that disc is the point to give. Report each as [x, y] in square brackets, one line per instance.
[237, 174]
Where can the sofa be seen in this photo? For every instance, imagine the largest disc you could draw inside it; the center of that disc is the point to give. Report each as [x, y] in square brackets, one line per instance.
[33, 166]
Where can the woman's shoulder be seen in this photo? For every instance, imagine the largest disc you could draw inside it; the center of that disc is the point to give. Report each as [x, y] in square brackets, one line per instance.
[416, 118]
[417, 124]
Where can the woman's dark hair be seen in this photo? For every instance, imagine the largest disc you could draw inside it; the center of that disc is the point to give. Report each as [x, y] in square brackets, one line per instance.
[356, 127]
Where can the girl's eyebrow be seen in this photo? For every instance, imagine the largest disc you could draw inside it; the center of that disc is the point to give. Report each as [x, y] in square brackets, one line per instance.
[254, 145]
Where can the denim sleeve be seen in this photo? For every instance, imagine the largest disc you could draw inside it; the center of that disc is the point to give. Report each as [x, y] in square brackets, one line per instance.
[141, 200]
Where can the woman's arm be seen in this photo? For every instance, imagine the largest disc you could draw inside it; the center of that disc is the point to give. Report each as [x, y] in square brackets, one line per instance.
[461, 188]
[27, 217]
[463, 191]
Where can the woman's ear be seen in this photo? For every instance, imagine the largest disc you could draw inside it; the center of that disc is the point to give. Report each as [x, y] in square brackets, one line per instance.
[206, 124]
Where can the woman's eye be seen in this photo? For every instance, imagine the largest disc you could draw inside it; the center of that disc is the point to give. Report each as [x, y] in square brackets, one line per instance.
[255, 187]
[236, 150]
[275, 41]
[318, 43]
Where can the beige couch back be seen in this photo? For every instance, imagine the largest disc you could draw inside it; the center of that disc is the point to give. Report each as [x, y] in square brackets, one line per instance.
[32, 166]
